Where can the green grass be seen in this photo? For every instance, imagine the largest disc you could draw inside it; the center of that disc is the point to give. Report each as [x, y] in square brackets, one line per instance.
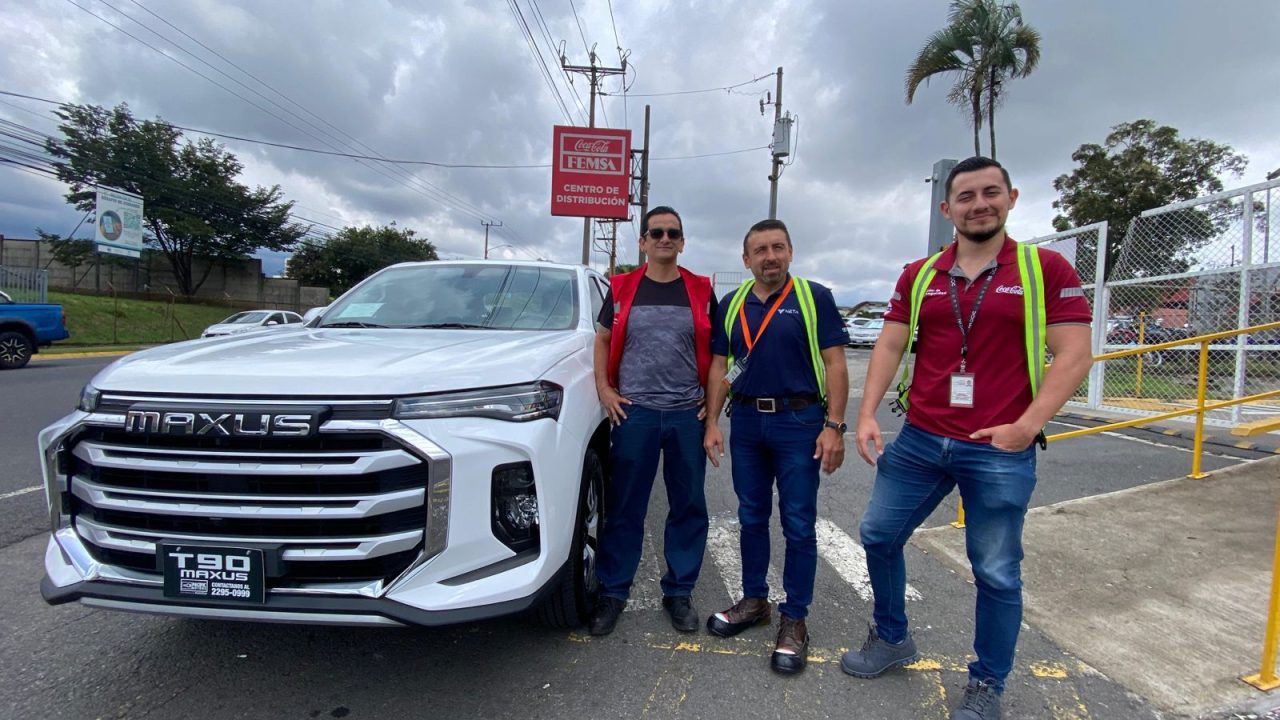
[100, 320]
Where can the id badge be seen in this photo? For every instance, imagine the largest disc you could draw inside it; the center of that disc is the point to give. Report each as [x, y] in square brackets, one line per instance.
[739, 366]
[962, 389]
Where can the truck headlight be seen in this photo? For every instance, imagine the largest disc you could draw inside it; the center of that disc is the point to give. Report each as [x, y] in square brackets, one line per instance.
[89, 397]
[515, 403]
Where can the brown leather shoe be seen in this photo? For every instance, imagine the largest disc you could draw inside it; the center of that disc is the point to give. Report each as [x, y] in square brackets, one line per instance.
[792, 652]
[744, 614]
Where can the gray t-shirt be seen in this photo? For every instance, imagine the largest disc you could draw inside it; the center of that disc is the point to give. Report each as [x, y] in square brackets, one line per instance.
[659, 367]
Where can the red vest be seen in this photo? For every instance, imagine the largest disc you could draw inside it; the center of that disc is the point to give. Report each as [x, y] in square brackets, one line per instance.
[624, 292]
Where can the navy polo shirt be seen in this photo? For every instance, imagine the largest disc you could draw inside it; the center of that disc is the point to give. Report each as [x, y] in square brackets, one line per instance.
[780, 365]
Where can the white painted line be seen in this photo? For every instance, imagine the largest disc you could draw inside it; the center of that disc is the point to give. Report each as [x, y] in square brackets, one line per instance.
[722, 543]
[1144, 441]
[848, 559]
[23, 491]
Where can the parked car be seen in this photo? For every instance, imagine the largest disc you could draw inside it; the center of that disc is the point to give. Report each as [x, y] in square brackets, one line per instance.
[853, 322]
[251, 320]
[866, 334]
[27, 327]
[431, 452]
[313, 313]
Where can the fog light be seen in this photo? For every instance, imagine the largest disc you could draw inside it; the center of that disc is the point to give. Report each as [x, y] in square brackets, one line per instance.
[515, 506]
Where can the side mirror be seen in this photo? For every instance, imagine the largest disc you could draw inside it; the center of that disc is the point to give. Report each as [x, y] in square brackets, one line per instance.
[271, 322]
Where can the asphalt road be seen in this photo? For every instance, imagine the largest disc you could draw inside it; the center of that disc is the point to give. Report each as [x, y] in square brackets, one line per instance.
[75, 662]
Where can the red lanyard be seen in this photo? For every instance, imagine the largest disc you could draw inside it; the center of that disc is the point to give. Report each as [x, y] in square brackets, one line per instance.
[742, 317]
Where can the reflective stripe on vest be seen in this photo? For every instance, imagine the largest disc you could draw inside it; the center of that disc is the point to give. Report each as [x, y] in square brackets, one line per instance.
[1033, 316]
[808, 311]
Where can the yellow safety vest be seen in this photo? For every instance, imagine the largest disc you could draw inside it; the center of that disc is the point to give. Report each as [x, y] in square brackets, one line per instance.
[804, 296]
[1033, 318]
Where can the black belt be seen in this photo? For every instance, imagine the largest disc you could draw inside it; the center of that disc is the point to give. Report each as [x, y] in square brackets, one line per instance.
[769, 404]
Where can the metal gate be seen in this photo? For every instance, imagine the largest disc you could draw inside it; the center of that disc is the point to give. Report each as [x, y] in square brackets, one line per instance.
[26, 285]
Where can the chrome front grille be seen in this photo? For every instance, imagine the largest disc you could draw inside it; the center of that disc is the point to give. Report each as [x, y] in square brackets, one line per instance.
[338, 507]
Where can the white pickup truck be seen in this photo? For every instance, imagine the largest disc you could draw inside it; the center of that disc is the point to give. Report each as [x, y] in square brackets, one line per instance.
[428, 451]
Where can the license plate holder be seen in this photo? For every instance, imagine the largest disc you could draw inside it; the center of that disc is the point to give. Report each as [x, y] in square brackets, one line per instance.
[218, 573]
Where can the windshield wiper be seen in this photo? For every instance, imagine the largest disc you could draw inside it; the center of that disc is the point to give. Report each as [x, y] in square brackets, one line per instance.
[352, 324]
[449, 326]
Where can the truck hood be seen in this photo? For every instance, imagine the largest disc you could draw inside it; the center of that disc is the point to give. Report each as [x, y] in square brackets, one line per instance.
[343, 362]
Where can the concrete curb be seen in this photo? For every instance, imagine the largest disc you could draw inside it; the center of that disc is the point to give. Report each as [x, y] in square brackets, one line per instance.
[72, 355]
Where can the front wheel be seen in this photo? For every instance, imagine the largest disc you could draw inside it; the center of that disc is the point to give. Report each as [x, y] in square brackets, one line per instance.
[15, 350]
[571, 603]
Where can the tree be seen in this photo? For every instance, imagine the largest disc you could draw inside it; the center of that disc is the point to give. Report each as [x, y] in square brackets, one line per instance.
[1142, 166]
[355, 253]
[623, 268]
[70, 252]
[193, 206]
[985, 44]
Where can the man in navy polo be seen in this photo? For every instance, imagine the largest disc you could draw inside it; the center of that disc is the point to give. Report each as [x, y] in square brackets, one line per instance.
[778, 357]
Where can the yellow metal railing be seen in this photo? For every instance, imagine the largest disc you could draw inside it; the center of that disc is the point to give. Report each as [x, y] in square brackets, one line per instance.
[1266, 678]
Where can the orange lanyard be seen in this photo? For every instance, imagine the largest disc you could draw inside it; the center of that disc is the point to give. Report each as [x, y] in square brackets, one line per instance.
[742, 317]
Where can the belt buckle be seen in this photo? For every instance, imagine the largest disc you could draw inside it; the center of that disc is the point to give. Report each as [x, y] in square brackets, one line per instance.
[767, 405]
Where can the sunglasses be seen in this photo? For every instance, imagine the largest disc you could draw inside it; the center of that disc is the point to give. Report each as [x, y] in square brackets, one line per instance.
[657, 233]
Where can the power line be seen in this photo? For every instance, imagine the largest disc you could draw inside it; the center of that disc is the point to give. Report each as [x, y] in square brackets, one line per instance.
[568, 79]
[442, 195]
[424, 188]
[705, 90]
[622, 59]
[715, 154]
[523, 26]
[580, 33]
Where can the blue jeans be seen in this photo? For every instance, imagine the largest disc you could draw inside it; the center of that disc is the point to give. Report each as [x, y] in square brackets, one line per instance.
[916, 471]
[765, 447]
[633, 458]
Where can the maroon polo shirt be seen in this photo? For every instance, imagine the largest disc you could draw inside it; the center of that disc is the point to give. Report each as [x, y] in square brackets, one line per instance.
[997, 352]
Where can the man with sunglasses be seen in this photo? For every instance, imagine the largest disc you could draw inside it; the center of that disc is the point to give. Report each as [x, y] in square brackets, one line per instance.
[778, 356]
[652, 353]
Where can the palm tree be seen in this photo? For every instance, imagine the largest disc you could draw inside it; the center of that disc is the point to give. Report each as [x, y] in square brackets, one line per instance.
[985, 43]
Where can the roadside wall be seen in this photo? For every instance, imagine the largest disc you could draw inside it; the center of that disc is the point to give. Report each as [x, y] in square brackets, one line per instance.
[239, 283]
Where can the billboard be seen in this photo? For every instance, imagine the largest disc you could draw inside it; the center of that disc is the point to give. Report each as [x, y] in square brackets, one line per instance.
[591, 174]
[118, 230]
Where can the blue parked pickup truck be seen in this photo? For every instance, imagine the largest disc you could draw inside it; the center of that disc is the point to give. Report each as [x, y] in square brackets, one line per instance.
[24, 328]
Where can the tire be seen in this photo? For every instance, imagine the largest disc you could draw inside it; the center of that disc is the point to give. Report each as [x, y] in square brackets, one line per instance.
[570, 604]
[15, 350]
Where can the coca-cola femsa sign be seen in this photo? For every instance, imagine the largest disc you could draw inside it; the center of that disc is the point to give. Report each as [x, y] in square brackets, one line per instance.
[592, 172]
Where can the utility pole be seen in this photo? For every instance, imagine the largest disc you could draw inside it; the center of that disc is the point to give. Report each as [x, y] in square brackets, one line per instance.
[644, 177]
[487, 224]
[595, 72]
[781, 144]
[608, 244]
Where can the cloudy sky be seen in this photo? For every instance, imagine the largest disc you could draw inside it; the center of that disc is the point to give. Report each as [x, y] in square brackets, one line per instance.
[457, 82]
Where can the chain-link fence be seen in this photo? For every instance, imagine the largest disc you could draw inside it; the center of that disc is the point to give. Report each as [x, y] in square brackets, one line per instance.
[25, 285]
[1187, 269]
[1080, 248]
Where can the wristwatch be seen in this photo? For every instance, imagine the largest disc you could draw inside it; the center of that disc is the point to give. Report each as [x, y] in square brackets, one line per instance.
[838, 427]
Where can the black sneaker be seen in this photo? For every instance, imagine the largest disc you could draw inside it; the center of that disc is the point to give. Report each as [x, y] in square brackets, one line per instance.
[683, 617]
[981, 702]
[878, 655]
[606, 615]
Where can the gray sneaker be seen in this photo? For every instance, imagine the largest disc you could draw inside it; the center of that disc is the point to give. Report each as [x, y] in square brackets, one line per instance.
[877, 656]
[981, 702]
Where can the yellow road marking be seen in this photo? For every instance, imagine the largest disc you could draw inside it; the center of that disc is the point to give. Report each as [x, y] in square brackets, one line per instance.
[1048, 670]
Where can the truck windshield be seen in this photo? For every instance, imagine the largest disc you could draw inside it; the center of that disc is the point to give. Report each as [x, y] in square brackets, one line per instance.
[461, 296]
